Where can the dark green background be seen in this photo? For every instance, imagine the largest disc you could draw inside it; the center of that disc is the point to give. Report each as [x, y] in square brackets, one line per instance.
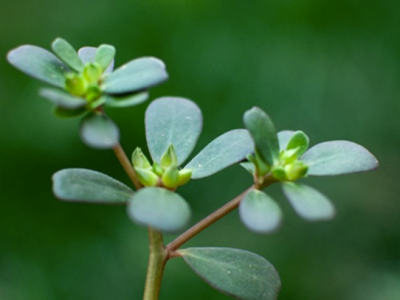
[330, 68]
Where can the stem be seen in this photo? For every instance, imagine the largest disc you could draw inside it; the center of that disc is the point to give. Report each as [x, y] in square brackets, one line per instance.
[157, 259]
[126, 164]
[207, 221]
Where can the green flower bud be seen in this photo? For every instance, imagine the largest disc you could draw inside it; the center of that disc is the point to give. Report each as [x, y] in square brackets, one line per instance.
[184, 176]
[261, 167]
[76, 84]
[296, 170]
[92, 72]
[146, 177]
[170, 178]
[169, 158]
[93, 93]
[157, 169]
[279, 173]
[288, 156]
[139, 160]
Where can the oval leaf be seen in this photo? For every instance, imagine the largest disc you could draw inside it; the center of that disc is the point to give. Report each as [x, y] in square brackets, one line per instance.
[241, 274]
[172, 121]
[259, 212]
[98, 131]
[88, 55]
[300, 141]
[338, 157]
[39, 63]
[69, 113]
[264, 134]
[160, 209]
[284, 138]
[308, 203]
[67, 54]
[126, 101]
[81, 185]
[227, 149]
[62, 99]
[105, 55]
[136, 75]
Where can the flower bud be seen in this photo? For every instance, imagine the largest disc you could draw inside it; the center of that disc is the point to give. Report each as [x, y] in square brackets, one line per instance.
[296, 170]
[288, 156]
[92, 73]
[279, 173]
[169, 158]
[76, 84]
[146, 177]
[157, 169]
[139, 160]
[170, 178]
[184, 176]
[93, 92]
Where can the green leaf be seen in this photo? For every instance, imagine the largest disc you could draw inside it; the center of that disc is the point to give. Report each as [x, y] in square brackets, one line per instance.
[299, 140]
[160, 209]
[172, 121]
[69, 113]
[67, 54]
[39, 63]
[309, 203]
[81, 185]
[259, 212]
[98, 131]
[62, 99]
[105, 55]
[227, 149]
[136, 75]
[126, 101]
[284, 138]
[237, 273]
[88, 55]
[264, 135]
[338, 157]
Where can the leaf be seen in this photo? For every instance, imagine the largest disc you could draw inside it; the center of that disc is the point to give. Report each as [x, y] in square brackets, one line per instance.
[300, 141]
[62, 99]
[67, 54]
[172, 121]
[308, 203]
[81, 185]
[126, 101]
[88, 55]
[160, 209]
[105, 55]
[283, 138]
[39, 63]
[264, 135]
[236, 273]
[227, 149]
[98, 131]
[69, 113]
[136, 75]
[338, 157]
[259, 212]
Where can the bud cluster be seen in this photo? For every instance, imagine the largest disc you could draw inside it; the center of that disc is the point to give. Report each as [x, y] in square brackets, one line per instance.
[165, 173]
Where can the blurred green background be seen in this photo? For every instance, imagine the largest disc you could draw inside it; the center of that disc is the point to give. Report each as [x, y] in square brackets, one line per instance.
[330, 68]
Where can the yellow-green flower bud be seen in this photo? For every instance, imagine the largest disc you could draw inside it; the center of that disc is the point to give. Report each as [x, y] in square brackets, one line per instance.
[261, 167]
[169, 158]
[139, 160]
[279, 173]
[92, 73]
[146, 177]
[157, 169]
[170, 178]
[296, 170]
[76, 84]
[288, 156]
[184, 176]
[93, 93]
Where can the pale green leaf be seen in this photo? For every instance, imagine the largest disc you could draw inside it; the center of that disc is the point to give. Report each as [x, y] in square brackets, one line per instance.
[309, 203]
[67, 54]
[160, 209]
[338, 157]
[126, 100]
[81, 185]
[88, 55]
[227, 149]
[172, 121]
[98, 131]
[259, 212]
[62, 99]
[284, 138]
[299, 141]
[39, 63]
[69, 113]
[237, 273]
[264, 134]
[105, 55]
[136, 75]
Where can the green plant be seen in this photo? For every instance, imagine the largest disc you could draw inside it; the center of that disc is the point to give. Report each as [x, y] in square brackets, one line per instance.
[173, 126]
